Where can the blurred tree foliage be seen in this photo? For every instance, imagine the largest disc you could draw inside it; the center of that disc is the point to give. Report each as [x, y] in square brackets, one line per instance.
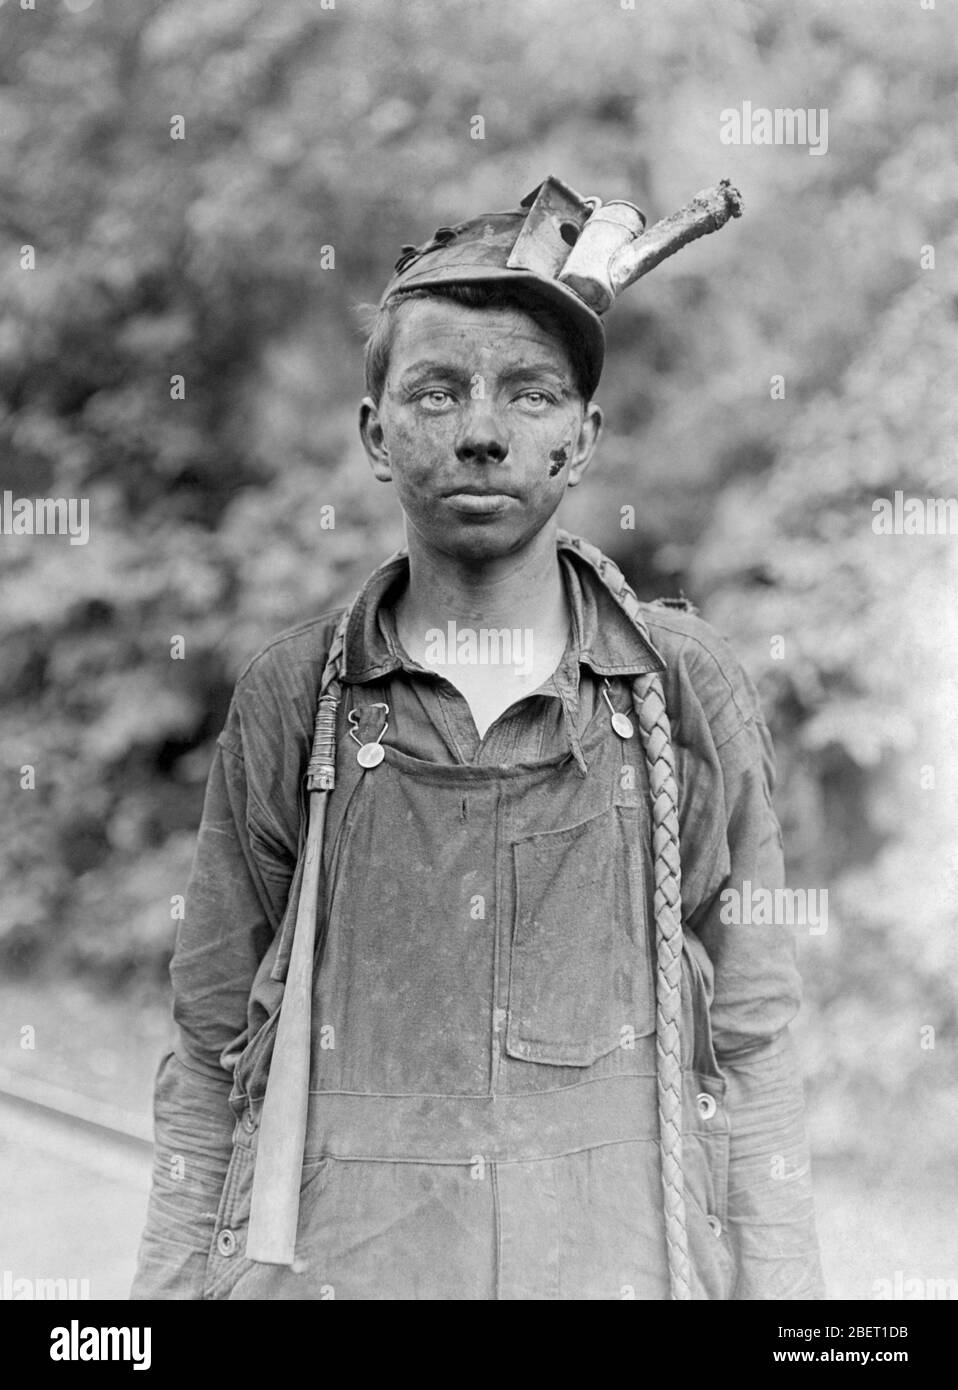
[350, 127]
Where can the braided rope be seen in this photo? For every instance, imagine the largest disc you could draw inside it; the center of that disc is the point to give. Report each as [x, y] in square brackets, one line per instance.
[648, 700]
[649, 703]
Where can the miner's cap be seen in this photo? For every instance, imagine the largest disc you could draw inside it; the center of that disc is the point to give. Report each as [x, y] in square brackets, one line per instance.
[526, 247]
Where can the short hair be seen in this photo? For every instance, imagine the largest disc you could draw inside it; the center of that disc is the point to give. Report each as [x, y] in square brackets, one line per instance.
[379, 323]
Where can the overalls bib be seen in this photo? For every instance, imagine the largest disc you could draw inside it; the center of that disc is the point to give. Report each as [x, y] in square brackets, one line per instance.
[482, 1112]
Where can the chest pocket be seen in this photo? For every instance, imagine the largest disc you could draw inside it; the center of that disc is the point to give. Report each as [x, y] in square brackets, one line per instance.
[581, 980]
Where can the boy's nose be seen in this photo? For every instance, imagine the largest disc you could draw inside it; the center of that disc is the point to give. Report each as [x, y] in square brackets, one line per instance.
[482, 439]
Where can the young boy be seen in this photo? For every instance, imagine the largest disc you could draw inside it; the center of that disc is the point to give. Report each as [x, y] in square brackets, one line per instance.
[534, 1070]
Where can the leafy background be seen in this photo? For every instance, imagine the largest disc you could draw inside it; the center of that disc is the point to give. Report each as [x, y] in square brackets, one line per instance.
[349, 127]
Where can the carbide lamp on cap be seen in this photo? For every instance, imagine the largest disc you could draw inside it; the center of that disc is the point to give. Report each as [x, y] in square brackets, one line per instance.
[574, 253]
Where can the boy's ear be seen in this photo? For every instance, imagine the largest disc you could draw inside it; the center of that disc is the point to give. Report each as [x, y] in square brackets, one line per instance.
[590, 433]
[374, 440]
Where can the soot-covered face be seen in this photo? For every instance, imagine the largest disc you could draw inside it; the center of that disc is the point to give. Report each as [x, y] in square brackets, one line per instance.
[480, 426]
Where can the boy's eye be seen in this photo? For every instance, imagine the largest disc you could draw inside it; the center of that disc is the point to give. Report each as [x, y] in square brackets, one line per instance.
[536, 399]
[435, 398]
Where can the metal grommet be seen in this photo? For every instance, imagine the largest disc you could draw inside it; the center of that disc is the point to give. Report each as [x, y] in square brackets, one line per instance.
[706, 1104]
[715, 1226]
[226, 1243]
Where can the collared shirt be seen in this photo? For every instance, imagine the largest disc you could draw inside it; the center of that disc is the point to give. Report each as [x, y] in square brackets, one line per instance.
[229, 962]
[430, 718]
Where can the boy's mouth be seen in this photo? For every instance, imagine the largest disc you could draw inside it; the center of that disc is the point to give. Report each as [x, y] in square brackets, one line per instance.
[478, 502]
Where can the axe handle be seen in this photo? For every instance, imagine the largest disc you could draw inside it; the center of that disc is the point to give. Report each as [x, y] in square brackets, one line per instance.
[274, 1206]
[707, 212]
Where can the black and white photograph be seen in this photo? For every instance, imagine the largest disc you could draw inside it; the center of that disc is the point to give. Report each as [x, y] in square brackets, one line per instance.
[479, 660]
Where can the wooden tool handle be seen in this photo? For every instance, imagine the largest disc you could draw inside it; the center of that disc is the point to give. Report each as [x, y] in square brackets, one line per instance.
[274, 1209]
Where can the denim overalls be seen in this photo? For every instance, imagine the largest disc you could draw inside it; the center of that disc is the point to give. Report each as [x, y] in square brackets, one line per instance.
[483, 1117]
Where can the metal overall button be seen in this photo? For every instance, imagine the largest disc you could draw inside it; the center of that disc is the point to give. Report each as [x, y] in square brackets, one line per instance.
[706, 1104]
[621, 723]
[226, 1242]
[370, 754]
[715, 1225]
[249, 1121]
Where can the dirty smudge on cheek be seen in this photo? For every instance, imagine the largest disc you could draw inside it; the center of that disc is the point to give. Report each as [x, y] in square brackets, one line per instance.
[559, 457]
[560, 454]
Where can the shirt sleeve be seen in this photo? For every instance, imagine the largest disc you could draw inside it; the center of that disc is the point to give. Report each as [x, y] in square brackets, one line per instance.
[732, 860]
[233, 903]
[757, 993]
